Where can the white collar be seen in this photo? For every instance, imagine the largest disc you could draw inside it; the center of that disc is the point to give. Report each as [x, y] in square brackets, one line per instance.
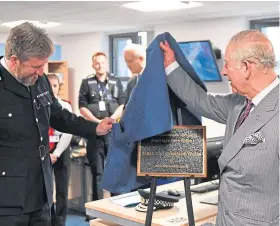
[258, 98]
[3, 62]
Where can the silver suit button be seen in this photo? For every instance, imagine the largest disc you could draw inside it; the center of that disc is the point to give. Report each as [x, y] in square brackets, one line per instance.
[41, 138]
[3, 173]
[10, 115]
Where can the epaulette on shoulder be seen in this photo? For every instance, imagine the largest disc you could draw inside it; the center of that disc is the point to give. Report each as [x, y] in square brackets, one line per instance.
[90, 76]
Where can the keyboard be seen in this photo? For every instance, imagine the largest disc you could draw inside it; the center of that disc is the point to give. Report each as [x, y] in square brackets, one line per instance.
[205, 188]
[211, 200]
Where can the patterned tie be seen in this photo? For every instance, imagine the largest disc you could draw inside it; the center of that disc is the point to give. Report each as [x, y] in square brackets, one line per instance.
[244, 114]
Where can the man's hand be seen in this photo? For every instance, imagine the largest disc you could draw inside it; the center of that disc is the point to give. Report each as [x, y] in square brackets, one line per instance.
[104, 126]
[53, 158]
[169, 56]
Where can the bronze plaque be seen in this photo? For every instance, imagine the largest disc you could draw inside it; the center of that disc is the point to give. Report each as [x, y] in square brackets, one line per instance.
[178, 153]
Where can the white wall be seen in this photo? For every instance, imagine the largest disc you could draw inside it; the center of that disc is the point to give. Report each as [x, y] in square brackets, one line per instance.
[77, 50]
[4, 36]
[219, 31]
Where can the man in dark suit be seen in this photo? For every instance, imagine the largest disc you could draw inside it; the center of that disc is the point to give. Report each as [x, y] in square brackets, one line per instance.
[28, 109]
[135, 58]
[249, 163]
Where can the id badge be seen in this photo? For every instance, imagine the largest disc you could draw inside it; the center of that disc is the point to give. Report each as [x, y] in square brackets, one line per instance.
[54, 139]
[102, 105]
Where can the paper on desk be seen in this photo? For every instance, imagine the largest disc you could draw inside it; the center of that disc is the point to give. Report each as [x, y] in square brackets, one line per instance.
[126, 199]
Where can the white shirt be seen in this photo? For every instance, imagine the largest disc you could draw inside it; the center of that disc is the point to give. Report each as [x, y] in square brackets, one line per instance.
[261, 95]
[256, 100]
[65, 138]
[3, 62]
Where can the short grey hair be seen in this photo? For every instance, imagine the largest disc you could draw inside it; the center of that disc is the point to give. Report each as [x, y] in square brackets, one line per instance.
[253, 44]
[138, 50]
[26, 41]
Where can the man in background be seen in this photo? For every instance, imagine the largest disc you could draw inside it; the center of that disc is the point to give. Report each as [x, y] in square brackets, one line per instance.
[135, 58]
[99, 97]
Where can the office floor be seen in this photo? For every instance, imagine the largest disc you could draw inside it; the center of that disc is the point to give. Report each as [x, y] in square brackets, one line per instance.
[75, 218]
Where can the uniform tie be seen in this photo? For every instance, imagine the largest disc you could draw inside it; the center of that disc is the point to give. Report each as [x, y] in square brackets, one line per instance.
[244, 114]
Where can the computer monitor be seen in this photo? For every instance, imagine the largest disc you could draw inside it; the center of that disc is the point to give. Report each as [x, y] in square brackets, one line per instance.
[201, 56]
[214, 149]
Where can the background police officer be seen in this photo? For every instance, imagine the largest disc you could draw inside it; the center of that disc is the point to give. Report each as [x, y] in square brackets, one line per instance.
[99, 97]
[28, 109]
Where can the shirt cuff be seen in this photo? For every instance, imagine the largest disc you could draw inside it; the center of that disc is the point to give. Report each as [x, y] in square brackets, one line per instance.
[171, 67]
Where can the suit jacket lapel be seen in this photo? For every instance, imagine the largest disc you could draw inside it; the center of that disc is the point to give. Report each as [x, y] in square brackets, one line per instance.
[132, 84]
[262, 113]
[13, 85]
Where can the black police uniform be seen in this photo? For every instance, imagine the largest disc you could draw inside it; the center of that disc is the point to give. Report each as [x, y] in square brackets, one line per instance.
[25, 167]
[93, 91]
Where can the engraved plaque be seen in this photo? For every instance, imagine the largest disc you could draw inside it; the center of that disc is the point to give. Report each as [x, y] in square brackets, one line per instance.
[178, 153]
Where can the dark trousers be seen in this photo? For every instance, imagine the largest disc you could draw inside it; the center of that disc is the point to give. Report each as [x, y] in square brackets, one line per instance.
[61, 173]
[97, 153]
[41, 217]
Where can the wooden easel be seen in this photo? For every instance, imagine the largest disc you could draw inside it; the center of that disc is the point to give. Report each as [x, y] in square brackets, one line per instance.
[150, 210]
[187, 183]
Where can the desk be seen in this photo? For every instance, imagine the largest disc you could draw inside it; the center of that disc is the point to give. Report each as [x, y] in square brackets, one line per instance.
[108, 211]
[99, 222]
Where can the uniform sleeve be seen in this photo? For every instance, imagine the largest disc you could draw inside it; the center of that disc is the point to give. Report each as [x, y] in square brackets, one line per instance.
[121, 94]
[83, 94]
[64, 121]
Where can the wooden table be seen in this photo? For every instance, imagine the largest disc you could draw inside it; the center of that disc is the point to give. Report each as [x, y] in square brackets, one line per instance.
[100, 222]
[114, 215]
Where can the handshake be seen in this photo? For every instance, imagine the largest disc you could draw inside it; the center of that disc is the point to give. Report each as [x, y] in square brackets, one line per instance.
[105, 126]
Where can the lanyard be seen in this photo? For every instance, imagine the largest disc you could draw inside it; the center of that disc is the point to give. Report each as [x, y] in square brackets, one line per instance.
[102, 91]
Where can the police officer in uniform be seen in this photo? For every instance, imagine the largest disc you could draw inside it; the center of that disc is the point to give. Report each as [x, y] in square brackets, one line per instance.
[28, 109]
[99, 97]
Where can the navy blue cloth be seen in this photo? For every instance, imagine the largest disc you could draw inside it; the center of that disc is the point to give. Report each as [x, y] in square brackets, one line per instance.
[148, 113]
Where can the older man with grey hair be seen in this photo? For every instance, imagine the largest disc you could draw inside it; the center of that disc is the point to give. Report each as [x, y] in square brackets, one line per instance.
[28, 109]
[135, 58]
[249, 163]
